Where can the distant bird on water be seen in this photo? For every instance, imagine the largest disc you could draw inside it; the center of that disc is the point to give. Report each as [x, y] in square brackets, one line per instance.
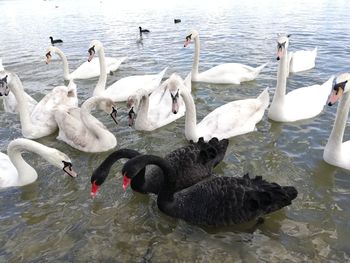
[177, 20]
[143, 30]
[55, 41]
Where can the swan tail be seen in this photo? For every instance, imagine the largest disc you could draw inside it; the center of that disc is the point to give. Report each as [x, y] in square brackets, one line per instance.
[260, 68]
[264, 97]
[160, 75]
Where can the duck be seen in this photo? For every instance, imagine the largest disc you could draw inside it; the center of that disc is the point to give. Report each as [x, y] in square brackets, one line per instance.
[192, 162]
[55, 41]
[15, 171]
[148, 112]
[177, 20]
[336, 151]
[86, 70]
[41, 122]
[9, 100]
[228, 73]
[120, 90]
[216, 200]
[79, 129]
[229, 120]
[297, 104]
[143, 30]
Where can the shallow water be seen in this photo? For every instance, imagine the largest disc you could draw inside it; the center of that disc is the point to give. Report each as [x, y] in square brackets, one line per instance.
[55, 220]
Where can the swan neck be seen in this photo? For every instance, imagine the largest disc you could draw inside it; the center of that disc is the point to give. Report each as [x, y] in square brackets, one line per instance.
[282, 74]
[142, 112]
[191, 116]
[337, 134]
[196, 57]
[16, 87]
[26, 173]
[89, 121]
[102, 80]
[65, 62]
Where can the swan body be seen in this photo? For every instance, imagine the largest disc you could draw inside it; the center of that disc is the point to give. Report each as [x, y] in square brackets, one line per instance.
[301, 103]
[215, 201]
[231, 119]
[336, 151]
[150, 112]
[9, 100]
[125, 87]
[81, 130]
[41, 122]
[15, 171]
[302, 60]
[192, 163]
[86, 70]
[228, 73]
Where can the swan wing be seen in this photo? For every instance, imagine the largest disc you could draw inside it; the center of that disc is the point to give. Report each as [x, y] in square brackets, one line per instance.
[302, 60]
[230, 73]
[125, 87]
[91, 69]
[8, 172]
[307, 102]
[232, 119]
[228, 200]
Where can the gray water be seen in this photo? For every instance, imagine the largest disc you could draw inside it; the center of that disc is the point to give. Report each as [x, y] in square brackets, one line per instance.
[55, 220]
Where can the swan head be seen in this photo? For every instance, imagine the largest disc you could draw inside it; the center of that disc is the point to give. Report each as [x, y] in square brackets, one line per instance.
[132, 104]
[192, 35]
[94, 47]
[49, 51]
[341, 85]
[61, 161]
[175, 85]
[4, 88]
[108, 106]
[282, 45]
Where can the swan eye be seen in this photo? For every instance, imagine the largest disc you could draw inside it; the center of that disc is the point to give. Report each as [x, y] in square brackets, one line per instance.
[175, 97]
[92, 50]
[338, 86]
[281, 45]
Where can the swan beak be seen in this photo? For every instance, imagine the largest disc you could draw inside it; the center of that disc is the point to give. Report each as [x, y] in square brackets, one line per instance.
[334, 97]
[279, 54]
[175, 107]
[48, 57]
[68, 169]
[114, 115]
[131, 116]
[126, 182]
[187, 41]
[94, 189]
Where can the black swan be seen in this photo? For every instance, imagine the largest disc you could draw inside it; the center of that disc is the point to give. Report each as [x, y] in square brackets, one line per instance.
[215, 201]
[55, 41]
[192, 162]
[143, 30]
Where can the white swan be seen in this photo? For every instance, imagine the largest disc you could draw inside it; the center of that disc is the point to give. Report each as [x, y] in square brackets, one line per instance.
[300, 60]
[228, 73]
[15, 171]
[86, 70]
[336, 151]
[231, 119]
[9, 100]
[81, 130]
[148, 112]
[41, 122]
[123, 88]
[301, 103]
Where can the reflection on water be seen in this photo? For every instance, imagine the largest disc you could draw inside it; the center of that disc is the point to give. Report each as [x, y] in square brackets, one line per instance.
[55, 219]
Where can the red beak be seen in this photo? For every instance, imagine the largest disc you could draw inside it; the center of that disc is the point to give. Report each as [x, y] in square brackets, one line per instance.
[126, 182]
[94, 189]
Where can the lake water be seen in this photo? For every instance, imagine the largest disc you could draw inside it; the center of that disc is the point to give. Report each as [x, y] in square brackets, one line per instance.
[55, 220]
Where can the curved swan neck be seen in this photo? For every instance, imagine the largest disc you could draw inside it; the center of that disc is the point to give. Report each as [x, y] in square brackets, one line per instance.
[196, 57]
[64, 60]
[101, 172]
[16, 87]
[26, 173]
[191, 116]
[142, 112]
[102, 80]
[337, 134]
[282, 74]
[89, 120]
